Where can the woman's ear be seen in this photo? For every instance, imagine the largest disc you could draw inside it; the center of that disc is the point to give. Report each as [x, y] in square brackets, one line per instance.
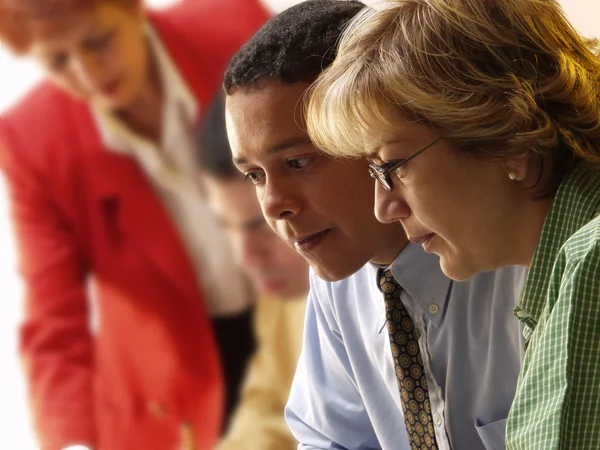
[518, 168]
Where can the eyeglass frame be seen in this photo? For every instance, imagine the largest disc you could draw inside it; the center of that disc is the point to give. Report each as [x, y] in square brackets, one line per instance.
[382, 173]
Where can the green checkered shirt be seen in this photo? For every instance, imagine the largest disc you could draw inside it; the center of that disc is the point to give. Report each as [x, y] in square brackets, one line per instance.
[557, 404]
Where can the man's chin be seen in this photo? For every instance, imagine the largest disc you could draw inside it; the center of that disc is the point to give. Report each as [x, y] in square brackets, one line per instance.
[272, 288]
[336, 270]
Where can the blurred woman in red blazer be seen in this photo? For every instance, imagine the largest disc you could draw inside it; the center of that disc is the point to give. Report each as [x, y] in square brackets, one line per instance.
[108, 213]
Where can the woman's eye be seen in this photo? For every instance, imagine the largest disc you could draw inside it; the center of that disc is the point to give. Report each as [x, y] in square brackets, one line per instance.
[58, 62]
[299, 163]
[100, 43]
[376, 160]
[254, 177]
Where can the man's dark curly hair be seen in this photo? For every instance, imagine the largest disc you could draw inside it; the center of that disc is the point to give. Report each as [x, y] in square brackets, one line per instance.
[294, 46]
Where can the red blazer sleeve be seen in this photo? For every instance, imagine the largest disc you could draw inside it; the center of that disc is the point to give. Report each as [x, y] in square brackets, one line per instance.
[55, 341]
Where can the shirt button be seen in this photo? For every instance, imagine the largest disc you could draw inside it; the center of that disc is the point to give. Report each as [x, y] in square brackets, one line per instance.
[522, 315]
[437, 419]
[433, 308]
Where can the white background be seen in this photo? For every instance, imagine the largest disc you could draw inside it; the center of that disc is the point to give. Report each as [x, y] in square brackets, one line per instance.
[15, 78]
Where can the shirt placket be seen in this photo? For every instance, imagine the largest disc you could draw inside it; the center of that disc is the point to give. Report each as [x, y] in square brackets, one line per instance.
[436, 397]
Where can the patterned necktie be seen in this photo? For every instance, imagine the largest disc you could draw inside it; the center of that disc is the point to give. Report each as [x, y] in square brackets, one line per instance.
[410, 373]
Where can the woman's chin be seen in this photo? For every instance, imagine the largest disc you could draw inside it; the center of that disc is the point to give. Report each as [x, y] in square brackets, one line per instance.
[119, 100]
[110, 103]
[456, 269]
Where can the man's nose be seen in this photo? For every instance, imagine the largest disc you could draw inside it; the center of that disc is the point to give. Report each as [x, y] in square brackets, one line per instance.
[279, 199]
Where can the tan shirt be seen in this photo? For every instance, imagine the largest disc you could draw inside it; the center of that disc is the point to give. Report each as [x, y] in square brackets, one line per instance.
[258, 423]
[173, 171]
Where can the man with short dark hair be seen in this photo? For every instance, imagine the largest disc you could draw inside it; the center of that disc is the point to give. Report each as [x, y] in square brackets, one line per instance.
[429, 363]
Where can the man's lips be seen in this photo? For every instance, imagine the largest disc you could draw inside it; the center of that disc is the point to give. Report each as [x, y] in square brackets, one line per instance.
[307, 242]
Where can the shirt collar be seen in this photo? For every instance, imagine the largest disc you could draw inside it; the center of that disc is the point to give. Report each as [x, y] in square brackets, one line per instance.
[114, 134]
[420, 275]
[576, 203]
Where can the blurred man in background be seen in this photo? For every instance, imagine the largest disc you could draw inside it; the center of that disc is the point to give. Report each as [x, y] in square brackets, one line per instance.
[279, 275]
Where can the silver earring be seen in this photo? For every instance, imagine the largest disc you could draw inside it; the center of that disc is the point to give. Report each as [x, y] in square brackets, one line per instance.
[512, 176]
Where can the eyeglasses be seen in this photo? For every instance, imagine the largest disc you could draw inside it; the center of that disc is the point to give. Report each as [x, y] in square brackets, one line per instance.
[382, 173]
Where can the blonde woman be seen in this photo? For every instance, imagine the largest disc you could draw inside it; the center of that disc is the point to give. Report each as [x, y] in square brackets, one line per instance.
[482, 123]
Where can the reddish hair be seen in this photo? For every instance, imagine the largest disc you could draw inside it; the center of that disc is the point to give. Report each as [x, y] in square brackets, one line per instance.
[20, 19]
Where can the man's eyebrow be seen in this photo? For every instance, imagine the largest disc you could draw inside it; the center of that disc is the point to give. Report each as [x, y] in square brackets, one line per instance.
[254, 223]
[280, 147]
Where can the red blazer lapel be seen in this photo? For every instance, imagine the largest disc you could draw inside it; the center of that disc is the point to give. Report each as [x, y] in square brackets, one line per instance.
[202, 79]
[202, 45]
[140, 217]
[119, 182]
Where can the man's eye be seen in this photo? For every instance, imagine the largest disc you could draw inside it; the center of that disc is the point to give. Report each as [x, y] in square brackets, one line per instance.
[299, 163]
[254, 177]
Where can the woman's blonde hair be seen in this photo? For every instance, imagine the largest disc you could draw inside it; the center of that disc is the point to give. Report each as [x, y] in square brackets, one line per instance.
[495, 77]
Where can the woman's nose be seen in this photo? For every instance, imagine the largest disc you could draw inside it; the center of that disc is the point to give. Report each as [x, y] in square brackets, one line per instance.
[86, 69]
[390, 206]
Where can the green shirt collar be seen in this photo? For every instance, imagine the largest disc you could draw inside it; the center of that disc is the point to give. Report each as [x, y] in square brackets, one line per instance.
[575, 204]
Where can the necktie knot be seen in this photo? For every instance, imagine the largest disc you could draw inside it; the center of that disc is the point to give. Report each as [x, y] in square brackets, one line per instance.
[386, 282]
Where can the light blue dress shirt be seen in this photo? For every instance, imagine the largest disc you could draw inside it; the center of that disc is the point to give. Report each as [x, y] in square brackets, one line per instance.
[345, 394]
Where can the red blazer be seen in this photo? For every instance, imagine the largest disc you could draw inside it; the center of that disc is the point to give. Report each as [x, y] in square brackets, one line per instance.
[87, 221]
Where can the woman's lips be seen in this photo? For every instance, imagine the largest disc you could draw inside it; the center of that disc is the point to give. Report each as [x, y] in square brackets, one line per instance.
[424, 240]
[111, 89]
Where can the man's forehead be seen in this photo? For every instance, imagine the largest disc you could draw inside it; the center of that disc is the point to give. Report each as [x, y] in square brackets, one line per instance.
[247, 122]
[277, 147]
[271, 105]
[265, 121]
